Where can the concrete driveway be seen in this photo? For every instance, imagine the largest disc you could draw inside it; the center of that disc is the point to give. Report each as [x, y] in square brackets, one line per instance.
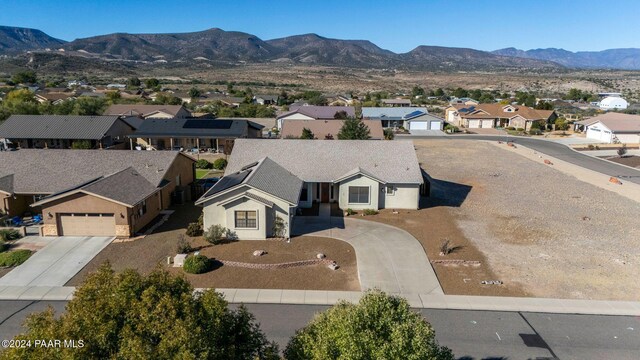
[57, 262]
[388, 258]
[427, 133]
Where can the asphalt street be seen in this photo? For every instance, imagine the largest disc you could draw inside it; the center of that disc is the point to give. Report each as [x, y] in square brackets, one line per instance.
[470, 334]
[550, 148]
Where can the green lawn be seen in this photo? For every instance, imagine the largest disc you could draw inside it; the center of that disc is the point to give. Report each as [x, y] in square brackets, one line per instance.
[200, 173]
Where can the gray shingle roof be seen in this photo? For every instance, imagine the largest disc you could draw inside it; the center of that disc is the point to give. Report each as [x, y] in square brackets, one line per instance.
[201, 128]
[141, 109]
[265, 175]
[113, 187]
[328, 160]
[50, 171]
[57, 127]
[6, 183]
[390, 113]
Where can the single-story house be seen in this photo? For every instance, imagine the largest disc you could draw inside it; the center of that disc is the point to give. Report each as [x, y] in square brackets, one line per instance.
[54, 98]
[93, 193]
[411, 118]
[266, 99]
[265, 180]
[326, 129]
[497, 115]
[396, 102]
[463, 101]
[614, 128]
[148, 111]
[62, 131]
[312, 112]
[175, 134]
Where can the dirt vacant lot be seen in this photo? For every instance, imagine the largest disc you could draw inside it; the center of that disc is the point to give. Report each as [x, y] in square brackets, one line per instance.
[545, 231]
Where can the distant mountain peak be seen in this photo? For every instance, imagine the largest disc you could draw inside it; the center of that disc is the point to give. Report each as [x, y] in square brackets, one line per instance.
[14, 40]
[626, 59]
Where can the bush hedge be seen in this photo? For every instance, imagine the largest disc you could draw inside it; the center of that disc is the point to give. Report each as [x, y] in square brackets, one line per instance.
[9, 234]
[220, 164]
[197, 264]
[203, 164]
[14, 258]
[370, 212]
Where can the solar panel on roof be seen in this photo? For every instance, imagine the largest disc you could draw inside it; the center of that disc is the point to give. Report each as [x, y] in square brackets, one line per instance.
[249, 166]
[229, 181]
[414, 114]
[207, 124]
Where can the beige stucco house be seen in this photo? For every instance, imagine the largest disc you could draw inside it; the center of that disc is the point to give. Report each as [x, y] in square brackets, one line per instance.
[269, 179]
[483, 116]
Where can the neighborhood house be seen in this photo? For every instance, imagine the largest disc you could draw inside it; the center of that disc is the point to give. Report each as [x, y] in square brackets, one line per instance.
[312, 112]
[410, 118]
[93, 193]
[266, 180]
[326, 129]
[483, 116]
[148, 111]
[614, 128]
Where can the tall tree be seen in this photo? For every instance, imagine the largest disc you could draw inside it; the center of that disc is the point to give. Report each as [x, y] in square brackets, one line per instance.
[25, 77]
[151, 83]
[194, 92]
[378, 327]
[133, 82]
[307, 134]
[354, 129]
[127, 315]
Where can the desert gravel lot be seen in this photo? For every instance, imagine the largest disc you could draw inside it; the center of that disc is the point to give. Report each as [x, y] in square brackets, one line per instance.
[553, 234]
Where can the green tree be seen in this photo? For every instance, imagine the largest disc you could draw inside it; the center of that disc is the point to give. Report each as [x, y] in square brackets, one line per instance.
[307, 134]
[388, 134]
[89, 106]
[341, 115]
[133, 82]
[417, 91]
[439, 92]
[21, 102]
[378, 327]
[81, 144]
[622, 151]
[561, 124]
[354, 129]
[25, 77]
[194, 92]
[127, 316]
[544, 105]
[113, 96]
[152, 83]
[460, 92]
[475, 94]
[167, 99]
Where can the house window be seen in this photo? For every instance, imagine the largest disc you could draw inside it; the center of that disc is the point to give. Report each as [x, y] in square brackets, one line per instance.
[358, 194]
[390, 190]
[304, 193]
[178, 182]
[246, 219]
[143, 208]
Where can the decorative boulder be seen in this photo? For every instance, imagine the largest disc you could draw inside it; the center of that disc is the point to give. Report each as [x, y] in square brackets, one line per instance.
[333, 266]
[259, 253]
[321, 256]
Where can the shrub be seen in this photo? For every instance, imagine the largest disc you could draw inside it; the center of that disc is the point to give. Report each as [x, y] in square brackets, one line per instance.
[446, 247]
[197, 264]
[220, 164]
[278, 227]
[350, 211]
[3, 245]
[622, 151]
[9, 234]
[215, 234]
[203, 164]
[388, 134]
[591, 147]
[535, 132]
[183, 246]
[451, 128]
[193, 229]
[510, 128]
[519, 129]
[370, 212]
[14, 258]
[561, 124]
[81, 144]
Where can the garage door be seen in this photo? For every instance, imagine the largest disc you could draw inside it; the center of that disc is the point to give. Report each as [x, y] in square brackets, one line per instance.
[474, 124]
[87, 225]
[418, 125]
[487, 124]
[435, 125]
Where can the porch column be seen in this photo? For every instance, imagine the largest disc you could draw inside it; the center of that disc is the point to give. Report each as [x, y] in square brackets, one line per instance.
[149, 142]
[198, 144]
[216, 144]
[100, 144]
[171, 142]
[131, 143]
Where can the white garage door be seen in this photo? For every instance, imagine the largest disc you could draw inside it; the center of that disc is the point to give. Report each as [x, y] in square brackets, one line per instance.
[435, 125]
[87, 225]
[599, 134]
[474, 124]
[487, 124]
[418, 125]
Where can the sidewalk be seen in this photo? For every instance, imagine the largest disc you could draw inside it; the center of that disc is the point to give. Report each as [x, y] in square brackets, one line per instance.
[419, 301]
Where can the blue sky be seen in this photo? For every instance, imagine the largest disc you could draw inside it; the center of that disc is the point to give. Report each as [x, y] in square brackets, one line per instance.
[395, 25]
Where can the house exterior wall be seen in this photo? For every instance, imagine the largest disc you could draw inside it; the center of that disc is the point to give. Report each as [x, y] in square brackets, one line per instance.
[628, 138]
[17, 206]
[404, 196]
[374, 191]
[295, 116]
[184, 167]
[225, 214]
[599, 131]
[117, 132]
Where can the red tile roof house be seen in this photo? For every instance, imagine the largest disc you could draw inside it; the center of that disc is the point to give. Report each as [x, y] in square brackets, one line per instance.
[312, 112]
[497, 115]
[326, 129]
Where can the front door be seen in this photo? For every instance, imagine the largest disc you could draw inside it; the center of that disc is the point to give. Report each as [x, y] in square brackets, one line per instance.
[324, 192]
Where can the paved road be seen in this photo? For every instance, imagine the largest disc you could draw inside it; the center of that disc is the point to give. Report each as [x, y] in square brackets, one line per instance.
[57, 262]
[388, 258]
[554, 149]
[470, 334]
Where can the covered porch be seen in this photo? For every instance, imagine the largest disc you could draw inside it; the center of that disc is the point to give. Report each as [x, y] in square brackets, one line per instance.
[216, 145]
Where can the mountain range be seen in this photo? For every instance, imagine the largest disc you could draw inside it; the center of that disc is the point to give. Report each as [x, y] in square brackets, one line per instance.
[219, 46]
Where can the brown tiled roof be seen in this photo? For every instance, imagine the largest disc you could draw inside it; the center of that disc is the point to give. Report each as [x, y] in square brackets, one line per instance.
[320, 128]
[496, 111]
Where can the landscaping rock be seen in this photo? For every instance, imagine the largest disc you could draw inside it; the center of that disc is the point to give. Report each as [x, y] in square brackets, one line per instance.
[259, 253]
[615, 180]
[321, 256]
[333, 266]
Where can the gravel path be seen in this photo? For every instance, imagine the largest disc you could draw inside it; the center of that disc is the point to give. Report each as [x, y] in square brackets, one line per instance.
[557, 236]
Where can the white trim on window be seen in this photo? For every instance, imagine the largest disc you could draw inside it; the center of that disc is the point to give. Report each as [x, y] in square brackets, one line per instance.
[359, 195]
[246, 219]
